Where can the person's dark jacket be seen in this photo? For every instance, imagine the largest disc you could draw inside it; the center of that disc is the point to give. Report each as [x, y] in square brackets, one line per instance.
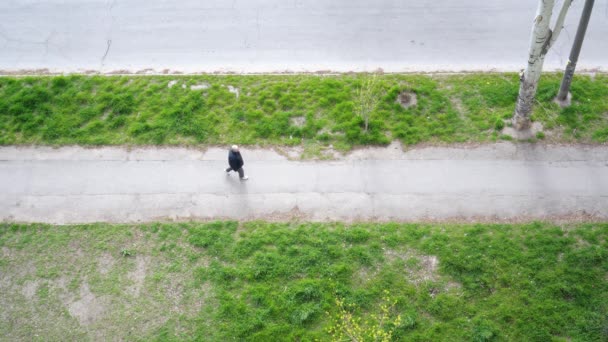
[235, 160]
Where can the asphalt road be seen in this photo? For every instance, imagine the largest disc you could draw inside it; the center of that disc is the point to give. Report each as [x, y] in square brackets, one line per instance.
[502, 182]
[283, 35]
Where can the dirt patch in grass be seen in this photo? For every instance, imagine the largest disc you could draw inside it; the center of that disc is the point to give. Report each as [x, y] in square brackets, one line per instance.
[29, 289]
[428, 266]
[87, 308]
[407, 99]
[234, 90]
[105, 263]
[298, 121]
[457, 103]
[201, 86]
[420, 268]
[293, 153]
[138, 275]
[90, 291]
[526, 134]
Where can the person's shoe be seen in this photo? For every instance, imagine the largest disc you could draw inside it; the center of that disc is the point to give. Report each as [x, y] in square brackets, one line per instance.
[227, 171]
[244, 178]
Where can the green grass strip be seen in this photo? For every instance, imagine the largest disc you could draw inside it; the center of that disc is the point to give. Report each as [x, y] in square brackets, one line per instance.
[259, 281]
[288, 110]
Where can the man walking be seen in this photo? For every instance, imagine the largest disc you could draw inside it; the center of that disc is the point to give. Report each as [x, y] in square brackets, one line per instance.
[235, 160]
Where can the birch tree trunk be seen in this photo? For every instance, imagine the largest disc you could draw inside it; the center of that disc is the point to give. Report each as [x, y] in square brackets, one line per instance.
[541, 40]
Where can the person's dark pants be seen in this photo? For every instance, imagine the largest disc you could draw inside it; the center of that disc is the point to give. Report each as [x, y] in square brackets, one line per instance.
[240, 171]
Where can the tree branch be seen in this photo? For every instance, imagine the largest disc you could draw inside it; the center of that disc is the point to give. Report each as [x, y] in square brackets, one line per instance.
[559, 23]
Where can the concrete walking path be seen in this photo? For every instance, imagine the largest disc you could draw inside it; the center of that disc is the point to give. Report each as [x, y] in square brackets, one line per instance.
[497, 182]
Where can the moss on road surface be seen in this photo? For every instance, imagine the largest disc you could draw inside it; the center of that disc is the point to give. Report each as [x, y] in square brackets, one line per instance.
[262, 281]
[288, 110]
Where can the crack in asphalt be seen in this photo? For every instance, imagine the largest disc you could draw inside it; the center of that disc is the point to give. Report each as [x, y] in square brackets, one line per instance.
[109, 43]
[109, 33]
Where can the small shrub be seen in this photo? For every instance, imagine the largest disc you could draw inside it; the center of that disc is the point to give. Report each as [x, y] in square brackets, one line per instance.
[380, 325]
[324, 137]
[499, 124]
[367, 100]
[484, 331]
[127, 253]
[59, 82]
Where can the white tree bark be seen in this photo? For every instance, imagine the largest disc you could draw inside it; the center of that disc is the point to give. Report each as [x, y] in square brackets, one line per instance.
[541, 40]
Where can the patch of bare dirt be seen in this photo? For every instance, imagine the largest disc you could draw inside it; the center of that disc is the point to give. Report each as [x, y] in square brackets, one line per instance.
[61, 283]
[331, 153]
[298, 121]
[74, 246]
[29, 289]
[174, 291]
[138, 275]
[457, 103]
[565, 102]
[105, 263]
[292, 153]
[182, 303]
[106, 114]
[581, 243]
[365, 274]
[525, 134]
[19, 272]
[327, 131]
[429, 264]
[421, 268]
[234, 90]
[426, 269]
[88, 308]
[407, 99]
[201, 86]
